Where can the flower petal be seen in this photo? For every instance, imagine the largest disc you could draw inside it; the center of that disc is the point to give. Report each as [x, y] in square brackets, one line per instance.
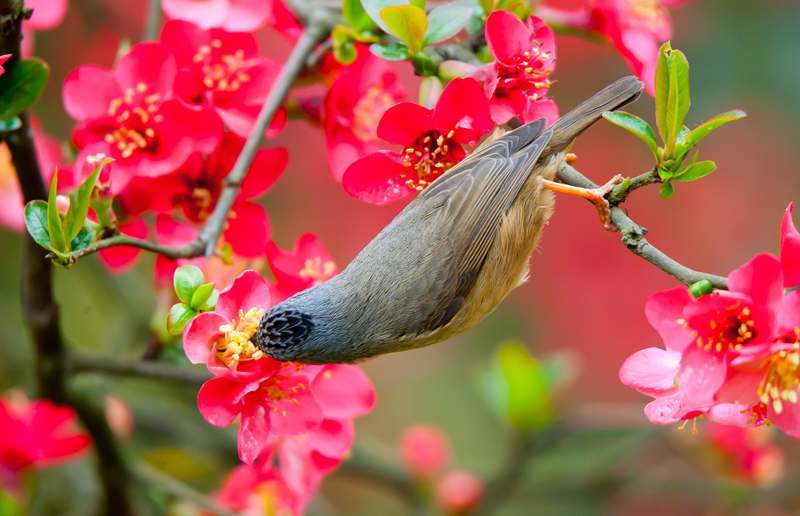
[254, 432]
[343, 391]
[88, 91]
[248, 290]
[218, 400]
[147, 64]
[404, 122]
[790, 249]
[248, 229]
[464, 107]
[267, 167]
[651, 371]
[506, 36]
[200, 335]
[760, 278]
[377, 178]
[664, 312]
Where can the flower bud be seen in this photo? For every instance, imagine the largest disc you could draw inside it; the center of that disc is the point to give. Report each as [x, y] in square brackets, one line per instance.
[62, 204]
[424, 449]
[459, 491]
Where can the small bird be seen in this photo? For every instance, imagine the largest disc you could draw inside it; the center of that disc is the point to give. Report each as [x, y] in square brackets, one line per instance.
[449, 258]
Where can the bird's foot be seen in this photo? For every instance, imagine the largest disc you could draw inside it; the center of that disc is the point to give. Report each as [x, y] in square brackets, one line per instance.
[597, 196]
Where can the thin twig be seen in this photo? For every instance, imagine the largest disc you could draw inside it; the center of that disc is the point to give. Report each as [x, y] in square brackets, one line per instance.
[151, 476]
[206, 240]
[621, 192]
[77, 363]
[633, 236]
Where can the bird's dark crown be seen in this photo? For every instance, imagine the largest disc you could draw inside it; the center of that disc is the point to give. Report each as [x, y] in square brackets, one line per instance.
[282, 330]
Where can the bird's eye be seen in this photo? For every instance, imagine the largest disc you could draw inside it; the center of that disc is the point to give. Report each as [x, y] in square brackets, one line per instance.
[283, 330]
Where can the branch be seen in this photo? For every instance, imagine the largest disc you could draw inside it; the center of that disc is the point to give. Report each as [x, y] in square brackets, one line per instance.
[147, 474]
[77, 363]
[368, 465]
[206, 240]
[633, 236]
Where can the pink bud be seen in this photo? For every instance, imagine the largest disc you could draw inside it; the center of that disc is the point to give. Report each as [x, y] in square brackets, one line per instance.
[62, 204]
[119, 416]
[459, 491]
[424, 449]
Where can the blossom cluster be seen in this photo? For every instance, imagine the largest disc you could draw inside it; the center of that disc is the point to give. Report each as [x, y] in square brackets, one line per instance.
[732, 356]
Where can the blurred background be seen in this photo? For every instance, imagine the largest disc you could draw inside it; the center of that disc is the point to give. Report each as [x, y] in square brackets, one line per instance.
[584, 300]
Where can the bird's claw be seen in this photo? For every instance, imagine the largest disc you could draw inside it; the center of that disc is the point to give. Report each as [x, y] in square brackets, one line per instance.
[598, 197]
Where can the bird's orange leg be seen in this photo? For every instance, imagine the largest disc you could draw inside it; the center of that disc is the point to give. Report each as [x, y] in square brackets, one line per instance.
[597, 196]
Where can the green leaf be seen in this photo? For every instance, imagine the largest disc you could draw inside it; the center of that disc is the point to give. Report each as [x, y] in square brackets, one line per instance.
[667, 190]
[84, 237]
[635, 126]
[345, 53]
[201, 295]
[373, 9]
[519, 389]
[178, 317]
[701, 288]
[662, 89]
[390, 52]
[211, 302]
[186, 280]
[12, 124]
[356, 16]
[679, 98]
[36, 223]
[79, 202]
[445, 22]
[424, 65]
[54, 227]
[701, 131]
[408, 23]
[695, 171]
[22, 86]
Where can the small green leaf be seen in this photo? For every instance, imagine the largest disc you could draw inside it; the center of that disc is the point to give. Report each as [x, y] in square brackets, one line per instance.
[667, 190]
[679, 97]
[446, 21]
[22, 86]
[662, 89]
[408, 23]
[211, 302]
[84, 237]
[695, 171]
[701, 288]
[390, 52]
[186, 280]
[356, 16]
[54, 227]
[701, 131]
[178, 317]
[487, 6]
[424, 65]
[201, 295]
[36, 223]
[12, 124]
[635, 126]
[79, 202]
[373, 9]
[344, 53]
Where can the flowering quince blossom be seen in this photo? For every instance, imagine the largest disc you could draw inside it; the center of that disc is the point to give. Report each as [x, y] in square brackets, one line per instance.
[130, 115]
[35, 434]
[518, 80]
[3, 59]
[747, 453]
[425, 450]
[222, 70]
[731, 355]
[231, 15]
[432, 141]
[353, 106]
[256, 490]
[307, 265]
[272, 398]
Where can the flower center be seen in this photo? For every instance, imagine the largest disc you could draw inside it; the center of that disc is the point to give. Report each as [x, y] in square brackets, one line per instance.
[529, 73]
[226, 72]
[430, 156]
[730, 330]
[781, 378]
[368, 111]
[235, 345]
[317, 271]
[134, 113]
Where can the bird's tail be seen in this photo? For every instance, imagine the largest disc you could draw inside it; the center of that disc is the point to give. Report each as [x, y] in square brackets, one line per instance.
[610, 98]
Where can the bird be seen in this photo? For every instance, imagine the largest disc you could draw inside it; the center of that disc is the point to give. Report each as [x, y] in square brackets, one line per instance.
[448, 258]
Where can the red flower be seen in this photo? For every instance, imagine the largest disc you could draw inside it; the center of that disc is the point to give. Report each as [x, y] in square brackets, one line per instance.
[130, 115]
[3, 59]
[354, 105]
[36, 434]
[256, 490]
[232, 15]
[307, 265]
[432, 142]
[425, 450]
[222, 70]
[519, 79]
[747, 453]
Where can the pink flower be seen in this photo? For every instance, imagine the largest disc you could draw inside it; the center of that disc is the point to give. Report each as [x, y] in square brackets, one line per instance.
[3, 59]
[35, 434]
[636, 28]
[354, 105]
[307, 265]
[425, 450]
[432, 142]
[518, 81]
[790, 250]
[196, 186]
[747, 454]
[231, 15]
[47, 14]
[256, 490]
[458, 492]
[130, 114]
[224, 71]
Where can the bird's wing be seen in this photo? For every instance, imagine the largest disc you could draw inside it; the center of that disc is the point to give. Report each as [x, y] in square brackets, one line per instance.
[469, 203]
